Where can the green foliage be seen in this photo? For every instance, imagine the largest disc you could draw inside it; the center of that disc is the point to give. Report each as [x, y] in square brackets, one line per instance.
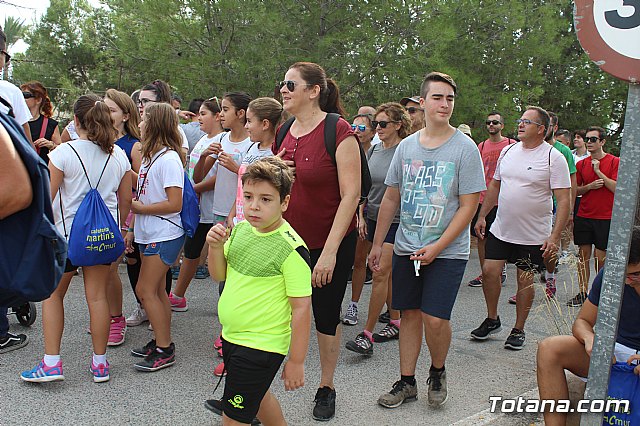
[504, 54]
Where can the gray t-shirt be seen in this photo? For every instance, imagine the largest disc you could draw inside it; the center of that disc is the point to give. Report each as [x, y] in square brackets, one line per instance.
[430, 182]
[379, 162]
[193, 133]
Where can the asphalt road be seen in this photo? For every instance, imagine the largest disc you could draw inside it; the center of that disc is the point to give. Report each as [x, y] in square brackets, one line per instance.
[475, 370]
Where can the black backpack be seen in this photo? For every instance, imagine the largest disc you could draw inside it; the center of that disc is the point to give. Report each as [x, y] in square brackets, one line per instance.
[32, 252]
[330, 144]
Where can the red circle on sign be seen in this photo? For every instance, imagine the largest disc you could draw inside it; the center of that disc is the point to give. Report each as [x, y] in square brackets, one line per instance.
[609, 60]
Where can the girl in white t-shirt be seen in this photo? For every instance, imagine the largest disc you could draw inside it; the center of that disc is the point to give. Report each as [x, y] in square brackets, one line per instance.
[69, 186]
[158, 227]
[209, 118]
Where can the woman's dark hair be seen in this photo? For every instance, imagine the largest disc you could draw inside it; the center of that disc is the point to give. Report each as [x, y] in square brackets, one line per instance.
[40, 92]
[94, 117]
[161, 89]
[240, 100]
[315, 75]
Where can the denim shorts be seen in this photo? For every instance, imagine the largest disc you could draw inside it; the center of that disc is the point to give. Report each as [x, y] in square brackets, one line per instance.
[168, 250]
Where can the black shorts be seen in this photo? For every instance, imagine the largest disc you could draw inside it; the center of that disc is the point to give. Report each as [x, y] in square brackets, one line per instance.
[327, 300]
[70, 267]
[249, 376]
[193, 246]
[390, 238]
[591, 231]
[491, 217]
[525, 257]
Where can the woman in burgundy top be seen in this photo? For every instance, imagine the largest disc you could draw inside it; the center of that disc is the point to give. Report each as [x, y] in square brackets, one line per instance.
[324, 199]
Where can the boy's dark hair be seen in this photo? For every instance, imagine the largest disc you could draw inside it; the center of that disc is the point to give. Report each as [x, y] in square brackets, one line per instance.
[437, 76]
[602, 133]
[194, 105]
[580, 132]
[272, 170]
[634, 249]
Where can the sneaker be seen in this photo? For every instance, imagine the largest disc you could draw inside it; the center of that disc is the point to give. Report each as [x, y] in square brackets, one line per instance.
[150, 327]
[325, 407]
[550, 287]
[512, 299]
[117, 331]
[202, 272]
[157, 360]
[503, 276]
[175, 272]
[515, 340]
[488, 327]
[399, 393]
[220, 371]
[137, 317]
[577, 300]
[100, 372]
[145, 350]
[217, 344]
[476, 282]
[215, 405]
[437, 393]
[384, 318]
[351, 318]
[43, 373]
[11, 342]
[178, 304]
[389, 332]
[368, 278]
[361, 345]
[219, 352]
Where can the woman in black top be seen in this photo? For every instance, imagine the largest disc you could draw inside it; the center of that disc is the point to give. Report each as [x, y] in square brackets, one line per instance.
[44, 129]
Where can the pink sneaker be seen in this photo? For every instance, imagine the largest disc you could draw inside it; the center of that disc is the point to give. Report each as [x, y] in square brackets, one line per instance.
[550, 288]
[512, 299]
[100, 372]
[178, 304]
[218, 343]
[43, 373]
[117, 330]
[219, 371]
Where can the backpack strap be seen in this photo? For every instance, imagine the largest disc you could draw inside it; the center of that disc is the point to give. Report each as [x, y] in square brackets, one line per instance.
[330, 124]
[85, 170]
[9, 107]
[147, 174]
[282, 132]
[43, 129]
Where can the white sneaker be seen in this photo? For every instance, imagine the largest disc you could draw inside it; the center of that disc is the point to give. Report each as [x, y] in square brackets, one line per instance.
[137, 317]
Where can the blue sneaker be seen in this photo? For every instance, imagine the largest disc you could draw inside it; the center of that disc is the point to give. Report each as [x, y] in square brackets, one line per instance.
[100, 372]
[202, 272]
[42, 373]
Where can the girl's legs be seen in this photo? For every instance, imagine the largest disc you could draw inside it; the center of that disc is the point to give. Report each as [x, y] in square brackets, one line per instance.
[96, 280]
[53, 316]
[114, 290]
[152, 293]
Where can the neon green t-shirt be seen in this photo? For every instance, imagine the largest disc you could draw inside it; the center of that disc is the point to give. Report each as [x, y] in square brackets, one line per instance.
[568, 155]
[263, 271]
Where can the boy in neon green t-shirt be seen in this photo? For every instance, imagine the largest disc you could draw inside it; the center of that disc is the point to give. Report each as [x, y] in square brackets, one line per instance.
[265, 309]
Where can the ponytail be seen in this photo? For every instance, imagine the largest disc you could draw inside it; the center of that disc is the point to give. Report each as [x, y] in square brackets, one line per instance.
[40, 92]
[94, 117]
[332, 101]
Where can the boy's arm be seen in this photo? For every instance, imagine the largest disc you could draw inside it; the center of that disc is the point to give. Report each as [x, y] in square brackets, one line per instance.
[583, 326]
[293, 372]
[216, 238]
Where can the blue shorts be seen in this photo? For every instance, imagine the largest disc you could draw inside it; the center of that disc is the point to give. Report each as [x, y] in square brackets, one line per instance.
[433, 292]
[390, 238]
[168, 250]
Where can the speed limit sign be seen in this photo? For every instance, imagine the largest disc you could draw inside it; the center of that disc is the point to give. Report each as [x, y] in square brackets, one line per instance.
[609, 31]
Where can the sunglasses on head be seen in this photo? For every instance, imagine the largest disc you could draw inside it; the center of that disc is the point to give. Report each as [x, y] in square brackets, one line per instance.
[592, 139]
[494, 122]
[28, 95]
[360, 127]
[382, 124]
[413, 110]
[291, 85]
[215, 98]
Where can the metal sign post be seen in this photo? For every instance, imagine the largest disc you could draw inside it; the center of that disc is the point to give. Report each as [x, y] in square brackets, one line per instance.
[609, 31]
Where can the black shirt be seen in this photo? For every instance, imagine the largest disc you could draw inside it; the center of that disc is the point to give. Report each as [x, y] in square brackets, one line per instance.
[36, 126]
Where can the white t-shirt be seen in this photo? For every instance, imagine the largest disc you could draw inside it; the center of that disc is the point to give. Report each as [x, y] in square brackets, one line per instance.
[164, 171]
[74, 185]
[185, 140]
[253, 155]
[206, 198]
[71, 129]
[227, 181]
[13, 95]
[525, 204]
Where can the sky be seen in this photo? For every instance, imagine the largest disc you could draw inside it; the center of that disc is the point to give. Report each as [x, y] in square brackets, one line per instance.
[29, 11]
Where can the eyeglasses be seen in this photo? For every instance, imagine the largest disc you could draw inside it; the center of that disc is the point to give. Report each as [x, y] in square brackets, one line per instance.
[592, 139]
[7, 57]
[215, 98]
[144, 101]
[494, 122]
[360, 127]
[382, 124]
[28, 95]
[526, 121]
[291, 85]
[413, 110]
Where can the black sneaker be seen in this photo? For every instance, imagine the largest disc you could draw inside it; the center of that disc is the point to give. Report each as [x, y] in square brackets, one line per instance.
[368, 278]
[389, 332]
[215, 405]
[11, 342]
[577, 300]
[384, 318]
[515, 340]
[145, 350]
[157, 360]
[489, 326]
[325, 408]
[361, 345]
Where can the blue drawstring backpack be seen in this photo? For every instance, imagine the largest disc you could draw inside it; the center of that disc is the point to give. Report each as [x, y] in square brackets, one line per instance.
[95, 237]
[624, 384]
[190, 213]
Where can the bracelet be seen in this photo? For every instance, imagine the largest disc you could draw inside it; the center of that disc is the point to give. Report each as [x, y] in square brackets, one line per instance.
[130, 230]
[124, 228]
